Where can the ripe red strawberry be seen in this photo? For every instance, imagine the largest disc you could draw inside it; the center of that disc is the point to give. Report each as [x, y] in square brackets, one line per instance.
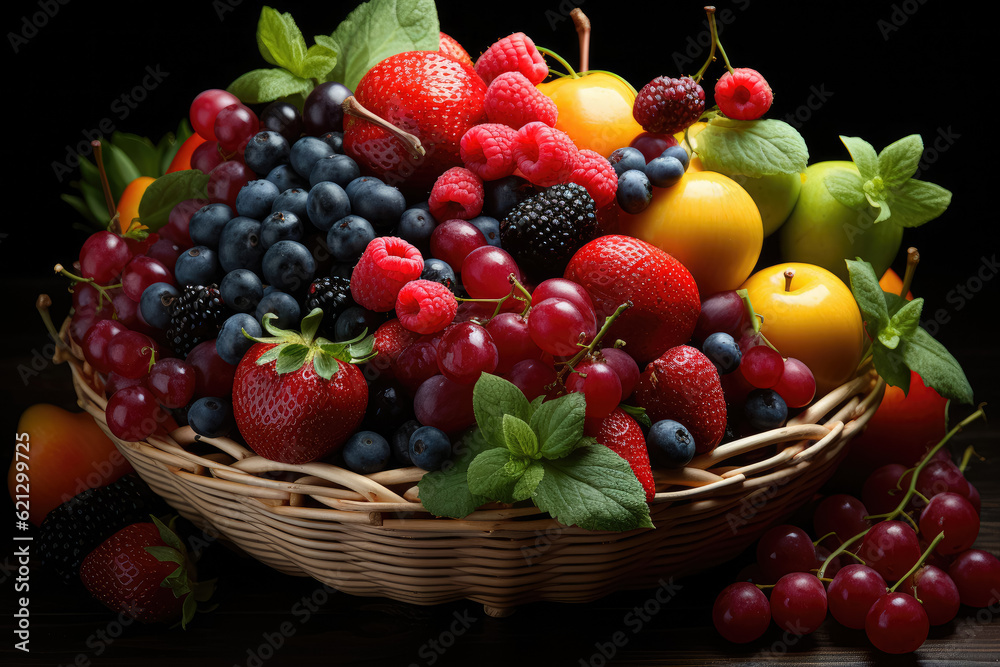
[450, 47]
[620, 433]
[425, 93]
[391, 338]
[665, 303]
[297, 398]
[683, 385]
[143, 571]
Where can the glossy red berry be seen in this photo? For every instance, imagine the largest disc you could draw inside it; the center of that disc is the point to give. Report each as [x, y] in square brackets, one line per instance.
[743, 94]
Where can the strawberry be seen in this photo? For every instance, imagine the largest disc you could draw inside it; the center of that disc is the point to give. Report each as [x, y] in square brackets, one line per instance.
[682, 384]
[144, 572]
[296, 397]
[620, 433]
[427, 94]
[391, 338]
[450, 47]
[665, 303]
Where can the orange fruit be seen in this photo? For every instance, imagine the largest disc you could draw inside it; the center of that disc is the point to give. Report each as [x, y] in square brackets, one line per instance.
[182, 158]
[128, 203]
[891, 282]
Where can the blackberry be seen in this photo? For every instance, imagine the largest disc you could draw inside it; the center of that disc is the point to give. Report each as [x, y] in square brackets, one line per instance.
[333, 295]
[196, 316]
[666, 105]
[543, 232]
[79, 525]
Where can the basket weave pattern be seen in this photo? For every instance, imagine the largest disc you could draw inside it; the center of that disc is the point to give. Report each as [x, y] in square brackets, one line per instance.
[369, 535]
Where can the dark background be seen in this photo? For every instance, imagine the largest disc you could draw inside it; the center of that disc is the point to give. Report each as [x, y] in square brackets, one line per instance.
[885, 69]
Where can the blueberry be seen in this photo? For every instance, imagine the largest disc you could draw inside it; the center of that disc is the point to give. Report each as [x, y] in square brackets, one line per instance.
[664, 171]
[305, 152]
[281, 226]
[503, 194]
[765, 409]
[359, 185]
[327, 203]
[241, 290]
[289, 266]
[285, 306]
[197, 266]
[356, 319]
[634, 191]
[415, 227]
[623, 159]
[366, 452]
[400, 442]
[211, 417]
[292, 200]
[207, 223]
[155, 302]
[389, 406]
[670, 444]
[231, 344]
[490, 227]
[382, 205]
[285, 178]
[679, 153]
[265, 151]
[255, 198]
[348, 238]
[439, 271]
[240, 246]
[334, 140]
[342, 270]
[339, 169]
[430, 447]
[723, 351]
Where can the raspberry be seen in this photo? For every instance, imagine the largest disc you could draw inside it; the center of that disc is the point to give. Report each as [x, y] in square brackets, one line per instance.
[667, 106]
[546, 156]
[488, 150]
[457, 193]
[513, 100]
[595, 173]
[743, 94]
[425, 306]
[386, 265]
[514, 53]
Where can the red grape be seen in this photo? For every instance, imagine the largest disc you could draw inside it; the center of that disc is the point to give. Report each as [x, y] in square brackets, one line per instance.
[485, 272]
[213, 376]
[936, 592]
[797, 384]
[723, 311]
[798, 603]
[510, 333]
[626, 368]
[130, 353]
[206, 157]
[133, 413]
[783, 549]
[762, 366]
[882, 492]
[206, 107]
[140, 273]
[843, 515]
[560, 288]
[465, 352]
[234, 124]
[897, 623]
[741, 613]
[599, 384]
[939, 476]
[953, 515]
[444, 404]
[414, 364]
[890, 548]
[172, 382]
[95, 343]
[453, 240]
[532, 376]
[103, 256]
[652, 144]
[976, 573]
[853, 591]
[556, 326]
[226, 181]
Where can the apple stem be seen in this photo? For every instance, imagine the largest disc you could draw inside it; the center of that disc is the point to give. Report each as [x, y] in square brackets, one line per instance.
[789, 274]
[582, 24]
[562, 61]
[410, 141]
[912, 259]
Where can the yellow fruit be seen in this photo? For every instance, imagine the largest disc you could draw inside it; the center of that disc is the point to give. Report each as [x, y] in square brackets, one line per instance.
[595, 110]
[128, 203]
[709, 223]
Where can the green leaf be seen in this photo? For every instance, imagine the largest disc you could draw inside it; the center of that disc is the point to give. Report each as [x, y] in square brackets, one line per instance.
[80, 206]
[269, 355]
[166, 192]
[903, 323]
[362, 350]
[170, 143]
[120, 169]
[319, 60]
[494, 473]
[595, 489]
[446, 492]
[140, 151]
[166, 554]
[377, 29]
[325, 365]
[559, 425]
[526, 484]
[520, 439]
[637, 413]
[310, 324]
[492, 398]
[752, 147]
[891, 367]
[846, 186]
[266, 85]
[916, 202]
[280, 41]
[869, 295]
[899, 160]
[935, 366]
[291, 358]
[863, 155]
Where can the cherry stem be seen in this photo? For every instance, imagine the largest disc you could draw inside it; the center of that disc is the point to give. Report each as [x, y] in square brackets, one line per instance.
[411, 142]
[101, 289]
[832, 533]
[715, 42]
[920, 561]
[555, 56]
[967, 456]
[587, 349]
[912, 260]
[500, 300]
[108, 199]
[839, 550]
[582, 24]
[789, 274]
[755, 319]
[42, 304]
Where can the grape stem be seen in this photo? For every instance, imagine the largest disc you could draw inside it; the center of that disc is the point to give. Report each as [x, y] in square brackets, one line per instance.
[920, 561]
[500, 300]
[755, 319]
[967, 456]
[568, 366]
[42, 305]
[102, 290]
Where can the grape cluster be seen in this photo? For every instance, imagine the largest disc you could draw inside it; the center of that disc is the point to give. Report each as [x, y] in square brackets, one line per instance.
[914, 562]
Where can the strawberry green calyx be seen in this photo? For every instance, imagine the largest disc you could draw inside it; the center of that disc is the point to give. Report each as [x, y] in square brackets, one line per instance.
[292, 349]
[183, 580]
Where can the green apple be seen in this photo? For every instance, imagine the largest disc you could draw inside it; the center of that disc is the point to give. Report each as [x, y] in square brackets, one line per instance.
[775, 196]
[825, 232]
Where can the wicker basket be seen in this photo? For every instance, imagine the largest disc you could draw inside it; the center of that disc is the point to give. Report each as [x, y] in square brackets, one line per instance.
[370, 536]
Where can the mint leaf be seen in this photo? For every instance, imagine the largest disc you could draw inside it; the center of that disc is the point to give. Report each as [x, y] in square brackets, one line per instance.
[377, 29]
[528, 481]
[864, 156]
[140, 151]
[916, 202]
[494, 473]
[520, 439]
[899, 160]
[492, 398]
[891, 367]
[266, 85]
[903, 323]
[752, 147]
[319, 60]
[559, 425]
[166, 192]
[446, 492]
[935, 366]
[595, 489]
[280, 41]
[869, 295]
